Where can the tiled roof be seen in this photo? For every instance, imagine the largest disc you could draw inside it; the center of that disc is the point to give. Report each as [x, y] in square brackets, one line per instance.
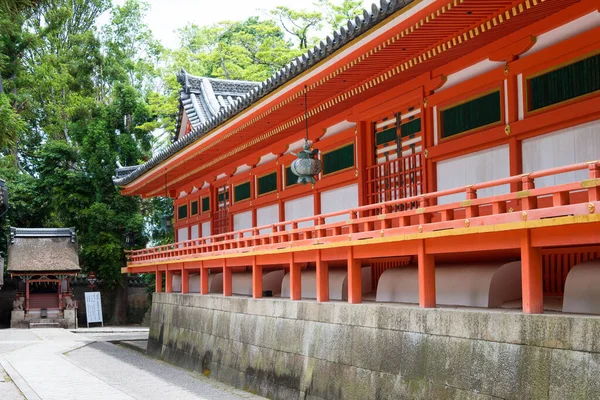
[203, 98]
[354, 29]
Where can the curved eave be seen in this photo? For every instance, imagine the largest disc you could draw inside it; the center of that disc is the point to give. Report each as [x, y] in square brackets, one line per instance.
[303, 64]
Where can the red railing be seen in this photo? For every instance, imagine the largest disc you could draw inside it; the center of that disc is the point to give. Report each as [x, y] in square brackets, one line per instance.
[382, 219]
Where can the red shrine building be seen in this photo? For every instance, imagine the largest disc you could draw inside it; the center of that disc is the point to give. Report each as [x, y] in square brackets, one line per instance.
[459, 143]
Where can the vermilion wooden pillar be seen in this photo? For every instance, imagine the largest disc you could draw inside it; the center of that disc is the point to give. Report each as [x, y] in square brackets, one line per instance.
[169, 281]
[227, 281]
[159, 280]
[322, 280]
[531, 276]
[426, 268]
[185, 280]
[257, 280]
[354, 279]
[204, 280]
[295, 281]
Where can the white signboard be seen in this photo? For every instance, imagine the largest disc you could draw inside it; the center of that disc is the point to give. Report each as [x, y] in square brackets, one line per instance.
[93, 308]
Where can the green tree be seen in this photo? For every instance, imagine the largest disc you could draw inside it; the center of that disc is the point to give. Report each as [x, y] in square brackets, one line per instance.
[336, 15]
[298, 23]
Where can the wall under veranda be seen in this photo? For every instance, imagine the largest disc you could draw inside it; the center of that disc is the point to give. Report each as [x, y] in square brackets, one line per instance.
[307, 350]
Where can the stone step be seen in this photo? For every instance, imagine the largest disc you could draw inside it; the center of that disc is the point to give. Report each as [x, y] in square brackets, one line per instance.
[44, 325]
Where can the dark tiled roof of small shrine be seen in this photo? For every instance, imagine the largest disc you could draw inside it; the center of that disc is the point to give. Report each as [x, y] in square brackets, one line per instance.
[42, 250]
[353, 30]
[202, 99]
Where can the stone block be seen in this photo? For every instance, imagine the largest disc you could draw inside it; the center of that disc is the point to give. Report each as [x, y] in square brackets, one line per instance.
[568, 379]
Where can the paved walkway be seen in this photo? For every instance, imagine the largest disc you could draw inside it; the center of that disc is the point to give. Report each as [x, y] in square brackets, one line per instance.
[59, 364]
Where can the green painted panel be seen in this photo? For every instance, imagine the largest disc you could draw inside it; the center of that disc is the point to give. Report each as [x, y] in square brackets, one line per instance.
[194, 208]
[182, 212]
[267, 183]
[387, 136]
[339, 159]
[205, 204]
[241, 192]
[473, 114]
[565, 83]
[290, 178]
[410, 127]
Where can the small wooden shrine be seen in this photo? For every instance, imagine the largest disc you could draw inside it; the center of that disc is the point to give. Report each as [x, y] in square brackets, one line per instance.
[45, 259]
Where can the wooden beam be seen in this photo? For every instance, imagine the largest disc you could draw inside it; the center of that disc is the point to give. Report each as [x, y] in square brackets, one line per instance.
[354, 279]
[426, 273]
[159, 281]
[185, 280]
[322, 280]
[295, 280]
[531, 276]
[203, 280]
[257, 280]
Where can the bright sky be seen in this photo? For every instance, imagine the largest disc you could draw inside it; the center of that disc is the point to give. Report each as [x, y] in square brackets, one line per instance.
[166, 16]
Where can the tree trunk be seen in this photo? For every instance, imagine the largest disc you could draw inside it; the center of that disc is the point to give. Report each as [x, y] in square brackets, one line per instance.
[119, 314]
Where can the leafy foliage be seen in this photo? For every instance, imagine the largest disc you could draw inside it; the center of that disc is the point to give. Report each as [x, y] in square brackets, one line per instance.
[77, 100]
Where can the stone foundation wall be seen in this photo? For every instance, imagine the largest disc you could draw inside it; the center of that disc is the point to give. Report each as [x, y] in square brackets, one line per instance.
[306, 350]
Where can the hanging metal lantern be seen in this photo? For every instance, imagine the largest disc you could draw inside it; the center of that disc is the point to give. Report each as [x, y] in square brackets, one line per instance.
[306, 166]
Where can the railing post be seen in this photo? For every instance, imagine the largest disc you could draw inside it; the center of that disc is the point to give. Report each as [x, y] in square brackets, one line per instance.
[528, 202]
[531, 276]
[168, 281]
[471, 211]
[354, 279]
[424, 216]
[322, 279]
[257, 280]
[159, 281]
[594, 189]
[426, 275]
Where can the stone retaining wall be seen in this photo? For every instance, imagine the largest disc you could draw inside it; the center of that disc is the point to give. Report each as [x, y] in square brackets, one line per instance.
[306, 350]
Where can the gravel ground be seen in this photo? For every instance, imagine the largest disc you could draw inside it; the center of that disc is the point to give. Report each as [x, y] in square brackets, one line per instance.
[143, 377]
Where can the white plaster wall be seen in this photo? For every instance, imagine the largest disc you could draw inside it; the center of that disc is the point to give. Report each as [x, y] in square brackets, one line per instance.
[242, 221]
[577, 144]
[194, 232]
[563, 32]
[469, 73]
[338, 283]
[469, 284]
[206, 229]
[182, 235]
[481, 166]
[194, 285]
[241, 282]
[267, 215]
[582, 289]
[337, 128]
[339, 199]
[300, 208]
